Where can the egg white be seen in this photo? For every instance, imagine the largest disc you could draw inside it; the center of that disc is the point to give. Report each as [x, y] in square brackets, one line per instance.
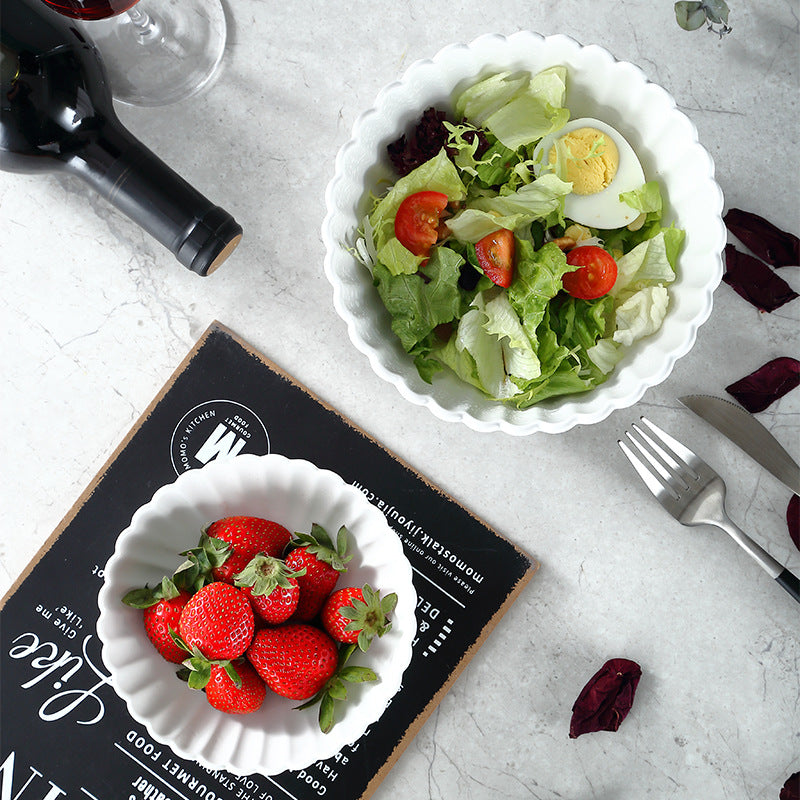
[603, 209]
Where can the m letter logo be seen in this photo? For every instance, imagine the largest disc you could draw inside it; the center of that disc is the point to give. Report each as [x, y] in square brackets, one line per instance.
[222, 442]
[216, 429]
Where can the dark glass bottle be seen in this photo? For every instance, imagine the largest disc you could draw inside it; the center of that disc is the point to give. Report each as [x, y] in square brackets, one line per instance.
[56, 114]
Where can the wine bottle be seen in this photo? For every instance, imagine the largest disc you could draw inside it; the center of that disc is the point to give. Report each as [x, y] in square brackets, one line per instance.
[56, 114]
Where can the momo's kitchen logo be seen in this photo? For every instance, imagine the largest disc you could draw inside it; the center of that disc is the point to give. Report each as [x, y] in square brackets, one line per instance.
[216, 429]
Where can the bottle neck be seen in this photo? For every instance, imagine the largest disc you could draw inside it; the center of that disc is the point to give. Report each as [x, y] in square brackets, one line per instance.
[121, 169]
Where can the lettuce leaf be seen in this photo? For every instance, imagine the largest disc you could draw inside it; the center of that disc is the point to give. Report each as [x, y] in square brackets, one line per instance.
[418, 303]
[647, 263]
[646, 199]
[641, 314]
[532, 201]
[537, 280]
[398, 259]
[437, 175]
[518, 110]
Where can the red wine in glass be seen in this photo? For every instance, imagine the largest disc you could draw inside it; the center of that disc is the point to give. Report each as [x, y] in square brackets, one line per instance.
[90, 9]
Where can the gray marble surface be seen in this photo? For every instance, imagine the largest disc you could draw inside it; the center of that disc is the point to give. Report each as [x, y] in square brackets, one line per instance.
[96, 316]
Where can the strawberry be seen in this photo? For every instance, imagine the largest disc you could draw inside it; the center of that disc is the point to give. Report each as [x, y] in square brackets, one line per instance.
[218, 621]
[323, 562]
[225, 695]
[271, 587]
[294, 660]
[356, 616]
[162, 607]
[225, 548]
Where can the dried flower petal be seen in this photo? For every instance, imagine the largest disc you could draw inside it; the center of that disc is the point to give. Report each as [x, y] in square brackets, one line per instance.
[791, 789]
[793, 521]
[776, 247]
[755, 281]
[606, 699]
[761, 388]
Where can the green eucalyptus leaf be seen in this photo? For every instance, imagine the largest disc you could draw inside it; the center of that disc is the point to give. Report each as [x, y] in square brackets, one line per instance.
[717, 11]
[690, 15]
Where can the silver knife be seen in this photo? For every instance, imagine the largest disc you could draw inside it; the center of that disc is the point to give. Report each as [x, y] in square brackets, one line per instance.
[744, 430]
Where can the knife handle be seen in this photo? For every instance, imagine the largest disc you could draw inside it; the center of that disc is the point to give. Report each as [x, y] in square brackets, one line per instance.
[790, 582]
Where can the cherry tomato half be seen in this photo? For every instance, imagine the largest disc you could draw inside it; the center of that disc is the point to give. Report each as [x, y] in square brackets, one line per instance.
[495, 254]
[597, 273]
[416, 224]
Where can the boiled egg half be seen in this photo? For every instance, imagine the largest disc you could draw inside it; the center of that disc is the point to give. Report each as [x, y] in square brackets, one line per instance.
[600, 164]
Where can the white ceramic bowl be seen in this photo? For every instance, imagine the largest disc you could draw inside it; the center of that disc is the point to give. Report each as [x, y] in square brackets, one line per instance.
[599, 86]
[296, 494]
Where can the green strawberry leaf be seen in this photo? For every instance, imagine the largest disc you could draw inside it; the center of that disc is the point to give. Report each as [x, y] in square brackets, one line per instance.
[337, 690]
[358, 675]
[196, 571]
[183, 674]
[341, 542]
[146, 596]
[389, 603]
[199, 672]
[326, 714]
[141, 598]
[231, 672]
[265, 574]
[319, 543]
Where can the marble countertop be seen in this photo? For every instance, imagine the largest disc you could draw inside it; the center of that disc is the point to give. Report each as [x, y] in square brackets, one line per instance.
[96, 316]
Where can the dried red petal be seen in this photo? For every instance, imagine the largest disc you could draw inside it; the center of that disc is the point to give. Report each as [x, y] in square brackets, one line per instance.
[791, 789]
[606, 699]
[776, 247]
[761, 388]
[793, 519]
[755, 281]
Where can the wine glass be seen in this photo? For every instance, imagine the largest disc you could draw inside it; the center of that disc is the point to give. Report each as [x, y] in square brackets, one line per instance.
[155, 52]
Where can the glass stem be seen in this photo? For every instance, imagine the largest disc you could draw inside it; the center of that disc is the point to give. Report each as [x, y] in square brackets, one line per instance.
[147, 28]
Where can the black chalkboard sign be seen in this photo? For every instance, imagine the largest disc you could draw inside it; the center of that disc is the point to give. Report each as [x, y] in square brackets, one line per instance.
[63, 731]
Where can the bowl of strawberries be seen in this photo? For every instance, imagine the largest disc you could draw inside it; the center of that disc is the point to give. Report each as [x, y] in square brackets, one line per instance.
[257, 614]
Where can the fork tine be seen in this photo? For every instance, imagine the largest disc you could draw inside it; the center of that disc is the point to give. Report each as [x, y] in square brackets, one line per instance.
[656, 486]
[658, 459]
[689, 459]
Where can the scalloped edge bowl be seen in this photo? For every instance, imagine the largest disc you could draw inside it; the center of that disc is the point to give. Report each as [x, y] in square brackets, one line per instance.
[598, 85]
[295, 493]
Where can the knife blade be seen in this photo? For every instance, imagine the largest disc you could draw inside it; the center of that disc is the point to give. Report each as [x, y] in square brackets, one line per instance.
[745, 431]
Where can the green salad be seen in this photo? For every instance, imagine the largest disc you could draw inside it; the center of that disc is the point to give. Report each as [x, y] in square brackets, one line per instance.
[483, 271]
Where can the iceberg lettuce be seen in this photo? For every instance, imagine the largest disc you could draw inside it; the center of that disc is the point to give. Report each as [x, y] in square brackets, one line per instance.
[518, 110]
[532, 201]
[641, 314]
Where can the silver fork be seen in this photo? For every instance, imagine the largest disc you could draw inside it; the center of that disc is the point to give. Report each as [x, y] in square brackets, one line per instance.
[693, 493]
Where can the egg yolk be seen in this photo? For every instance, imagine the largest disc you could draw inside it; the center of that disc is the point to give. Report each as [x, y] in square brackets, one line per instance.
[591, 159]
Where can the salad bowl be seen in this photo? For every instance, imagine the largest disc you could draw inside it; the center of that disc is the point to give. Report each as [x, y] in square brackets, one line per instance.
[598, 86]
[278, 736]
